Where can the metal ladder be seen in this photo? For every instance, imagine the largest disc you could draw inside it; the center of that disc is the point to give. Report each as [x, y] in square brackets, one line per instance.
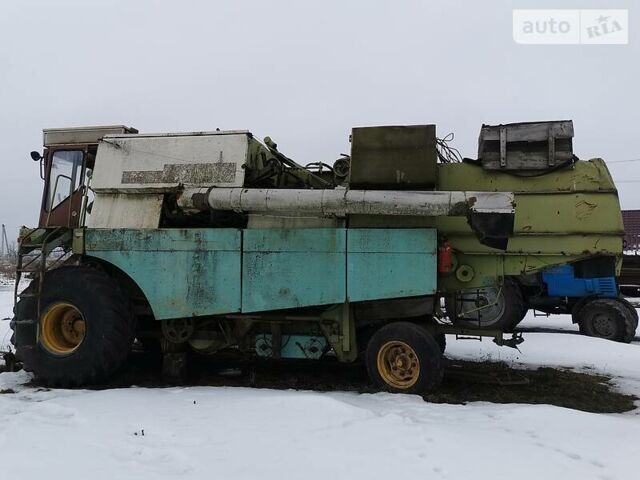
[33, 253]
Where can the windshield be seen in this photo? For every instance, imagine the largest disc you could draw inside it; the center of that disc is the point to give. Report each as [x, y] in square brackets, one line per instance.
[64, 178]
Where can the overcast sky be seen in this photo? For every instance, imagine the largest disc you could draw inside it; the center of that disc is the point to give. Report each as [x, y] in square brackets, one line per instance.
[303, 73]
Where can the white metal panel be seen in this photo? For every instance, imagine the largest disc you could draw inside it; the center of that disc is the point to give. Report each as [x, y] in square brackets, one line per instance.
[65, 136]
[125, 211]
[146, 163]
[185, 134]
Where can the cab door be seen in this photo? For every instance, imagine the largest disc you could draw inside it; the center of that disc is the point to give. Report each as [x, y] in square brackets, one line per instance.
[64, 188]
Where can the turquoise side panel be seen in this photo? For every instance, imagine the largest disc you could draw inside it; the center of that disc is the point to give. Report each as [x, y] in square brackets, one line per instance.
[198, 272]
[182, 272]
[391, 263]
[288, 268]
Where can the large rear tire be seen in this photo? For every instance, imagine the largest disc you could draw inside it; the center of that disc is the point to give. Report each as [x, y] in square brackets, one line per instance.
[403, 357]
[85, 328]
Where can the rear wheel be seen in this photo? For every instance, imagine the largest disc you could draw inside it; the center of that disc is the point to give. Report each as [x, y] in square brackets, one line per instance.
[403, 357]
[85, 329]
[607, 318]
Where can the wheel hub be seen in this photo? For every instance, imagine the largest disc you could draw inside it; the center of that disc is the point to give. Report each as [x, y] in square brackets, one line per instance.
[62, 329]
[398, 364]
[603, 325]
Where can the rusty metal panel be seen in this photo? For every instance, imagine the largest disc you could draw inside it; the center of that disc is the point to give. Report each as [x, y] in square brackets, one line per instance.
[391, 263]
[182, 272]
[289, 268]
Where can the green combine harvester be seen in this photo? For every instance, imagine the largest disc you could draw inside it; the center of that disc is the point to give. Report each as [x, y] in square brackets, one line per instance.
[215, 241]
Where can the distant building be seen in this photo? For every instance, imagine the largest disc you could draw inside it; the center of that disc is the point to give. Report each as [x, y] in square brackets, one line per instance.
[631, 220]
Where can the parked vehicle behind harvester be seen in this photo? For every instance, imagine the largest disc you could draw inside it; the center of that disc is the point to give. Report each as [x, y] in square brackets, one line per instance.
[210, 241]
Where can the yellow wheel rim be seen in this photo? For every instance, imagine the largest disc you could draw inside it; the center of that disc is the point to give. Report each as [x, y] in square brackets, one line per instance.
[62, 329]
[398, 365]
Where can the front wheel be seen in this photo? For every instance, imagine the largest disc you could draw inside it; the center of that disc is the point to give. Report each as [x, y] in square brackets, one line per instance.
[403, 357]
[84, 330]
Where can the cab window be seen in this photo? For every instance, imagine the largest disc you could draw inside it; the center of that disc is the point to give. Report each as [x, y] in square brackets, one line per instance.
[64, 176]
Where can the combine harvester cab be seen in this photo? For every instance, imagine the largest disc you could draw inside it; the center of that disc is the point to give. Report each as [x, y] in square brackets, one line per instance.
[214, 241]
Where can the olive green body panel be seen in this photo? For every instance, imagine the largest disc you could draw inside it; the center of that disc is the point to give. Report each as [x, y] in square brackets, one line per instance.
[561, 217]
[583, 176]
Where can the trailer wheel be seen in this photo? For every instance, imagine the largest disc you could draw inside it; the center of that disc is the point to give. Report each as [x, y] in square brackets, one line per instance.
[85, 329]
[403, 357]
[607, 318]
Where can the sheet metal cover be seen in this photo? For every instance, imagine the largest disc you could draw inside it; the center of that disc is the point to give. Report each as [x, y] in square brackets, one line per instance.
[81, 135]
[393, 157]
[161, 163]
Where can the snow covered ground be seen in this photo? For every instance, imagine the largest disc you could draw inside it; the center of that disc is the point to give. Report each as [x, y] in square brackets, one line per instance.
[242, 433]
[6, 310]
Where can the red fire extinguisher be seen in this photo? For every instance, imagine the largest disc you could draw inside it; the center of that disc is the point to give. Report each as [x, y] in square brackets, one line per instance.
[445, 257]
